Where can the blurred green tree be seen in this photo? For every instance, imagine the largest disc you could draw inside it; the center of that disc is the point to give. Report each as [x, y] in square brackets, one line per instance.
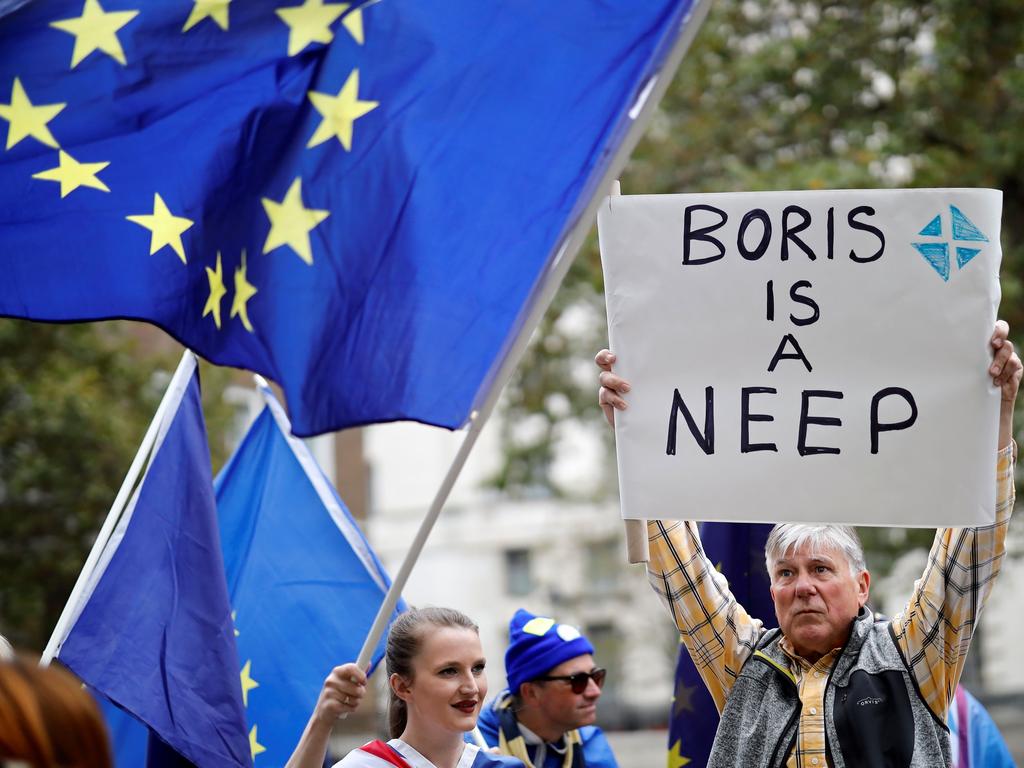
[75, 401]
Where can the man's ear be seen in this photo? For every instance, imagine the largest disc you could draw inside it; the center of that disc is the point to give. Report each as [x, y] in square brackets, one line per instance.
[863, 587]
[401, 687]
[528, 693]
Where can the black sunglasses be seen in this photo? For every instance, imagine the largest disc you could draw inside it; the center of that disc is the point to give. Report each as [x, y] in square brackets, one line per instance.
[578, 682]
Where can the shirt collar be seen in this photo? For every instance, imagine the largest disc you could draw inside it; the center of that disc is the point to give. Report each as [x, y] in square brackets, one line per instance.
[825, 662]
[533, 740]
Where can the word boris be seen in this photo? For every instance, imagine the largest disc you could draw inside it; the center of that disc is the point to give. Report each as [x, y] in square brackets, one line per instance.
[754, 234]
[705, 435]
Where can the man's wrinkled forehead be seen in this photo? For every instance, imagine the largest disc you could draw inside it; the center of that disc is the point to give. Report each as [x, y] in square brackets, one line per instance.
[812, 553]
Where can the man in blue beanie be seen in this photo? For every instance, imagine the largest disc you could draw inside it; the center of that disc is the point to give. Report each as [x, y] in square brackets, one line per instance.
[545, 717]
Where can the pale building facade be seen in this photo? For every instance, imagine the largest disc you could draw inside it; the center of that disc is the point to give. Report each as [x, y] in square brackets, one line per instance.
[488, 556]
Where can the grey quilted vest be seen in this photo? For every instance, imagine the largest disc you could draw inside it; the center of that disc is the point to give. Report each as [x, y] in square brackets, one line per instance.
[874, 714]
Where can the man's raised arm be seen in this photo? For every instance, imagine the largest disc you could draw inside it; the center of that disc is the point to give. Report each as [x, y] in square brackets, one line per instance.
[718, 632]
[935, 630]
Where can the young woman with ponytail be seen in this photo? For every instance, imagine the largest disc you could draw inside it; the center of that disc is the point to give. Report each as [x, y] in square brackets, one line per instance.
[436, 686]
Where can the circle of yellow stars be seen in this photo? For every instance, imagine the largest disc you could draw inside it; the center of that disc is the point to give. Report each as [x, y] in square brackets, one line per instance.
[98, 32]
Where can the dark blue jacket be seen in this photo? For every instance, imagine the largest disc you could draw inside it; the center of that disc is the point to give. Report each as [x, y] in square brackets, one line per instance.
[597, 752]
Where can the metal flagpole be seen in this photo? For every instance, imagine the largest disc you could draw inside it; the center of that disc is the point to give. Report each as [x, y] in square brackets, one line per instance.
[72, 608]
[640, 113]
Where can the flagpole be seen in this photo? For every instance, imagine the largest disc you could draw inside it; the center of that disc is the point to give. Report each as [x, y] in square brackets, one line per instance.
[543, 293]
[72, 608]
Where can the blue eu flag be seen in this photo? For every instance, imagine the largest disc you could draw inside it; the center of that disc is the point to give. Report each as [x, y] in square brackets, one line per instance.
[356, 200]
[304, 584]
[155, 634]
[304, 589]
[128, 737]
[737, 549]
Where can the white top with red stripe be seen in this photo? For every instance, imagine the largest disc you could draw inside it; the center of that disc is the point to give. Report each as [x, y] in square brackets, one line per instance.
[397, 754]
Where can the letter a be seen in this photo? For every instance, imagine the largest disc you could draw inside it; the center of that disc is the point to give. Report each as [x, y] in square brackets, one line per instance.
[796, 354]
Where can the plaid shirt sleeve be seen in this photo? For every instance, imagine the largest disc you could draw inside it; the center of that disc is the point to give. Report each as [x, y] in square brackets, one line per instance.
[935, 630]
[717, 631]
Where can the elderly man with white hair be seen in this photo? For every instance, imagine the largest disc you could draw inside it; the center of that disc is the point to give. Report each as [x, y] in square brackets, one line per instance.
[833, 686]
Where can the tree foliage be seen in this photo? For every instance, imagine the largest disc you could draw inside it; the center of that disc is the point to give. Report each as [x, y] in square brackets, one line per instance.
[802, 95]
[75, 401]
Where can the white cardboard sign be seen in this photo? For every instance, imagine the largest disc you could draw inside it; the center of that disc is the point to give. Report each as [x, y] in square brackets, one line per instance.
[805, 356]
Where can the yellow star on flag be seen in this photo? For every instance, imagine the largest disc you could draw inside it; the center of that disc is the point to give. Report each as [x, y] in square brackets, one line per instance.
[675, 756]
[28, 119]
[72, 174]
[244, 290]
[682, 700]
[208, 9]
[339, 112]
[96, 30]
[247, 682]
[254, 746]
[291, 222]
[354, 24]
[234, 617]
[310, 23]
[167, 228]
[217, 291]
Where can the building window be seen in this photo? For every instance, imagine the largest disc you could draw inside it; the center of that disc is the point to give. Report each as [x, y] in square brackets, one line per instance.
[518, 578]
[607, 642]
[604, 564]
